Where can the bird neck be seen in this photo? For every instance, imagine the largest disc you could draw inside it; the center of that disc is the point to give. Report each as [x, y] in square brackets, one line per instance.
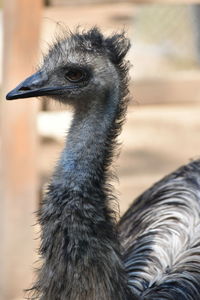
[79, 238]
[89, 149]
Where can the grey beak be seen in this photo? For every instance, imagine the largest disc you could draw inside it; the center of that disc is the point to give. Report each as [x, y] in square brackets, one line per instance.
[33, 86]
[30, 87]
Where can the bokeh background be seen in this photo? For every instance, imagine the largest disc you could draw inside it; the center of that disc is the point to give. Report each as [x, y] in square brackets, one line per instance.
[162, 130]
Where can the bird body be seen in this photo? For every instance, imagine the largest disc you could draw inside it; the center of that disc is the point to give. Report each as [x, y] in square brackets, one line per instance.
[153, 252]
[160, 234]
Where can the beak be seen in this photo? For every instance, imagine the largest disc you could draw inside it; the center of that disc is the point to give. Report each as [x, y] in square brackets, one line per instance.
[33, 86]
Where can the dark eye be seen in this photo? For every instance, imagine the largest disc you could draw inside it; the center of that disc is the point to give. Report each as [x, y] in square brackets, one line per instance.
[75, 75]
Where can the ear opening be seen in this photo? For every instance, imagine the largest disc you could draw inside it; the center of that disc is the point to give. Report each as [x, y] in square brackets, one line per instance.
[117, 46]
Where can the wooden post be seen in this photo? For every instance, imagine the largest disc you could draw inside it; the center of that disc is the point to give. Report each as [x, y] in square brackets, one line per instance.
[18, 169]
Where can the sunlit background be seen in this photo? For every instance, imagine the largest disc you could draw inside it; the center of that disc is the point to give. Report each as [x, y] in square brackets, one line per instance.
[162, 130]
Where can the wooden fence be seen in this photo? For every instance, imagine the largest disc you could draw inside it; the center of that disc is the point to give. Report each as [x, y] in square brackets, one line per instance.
[18, 182]
[18, 144]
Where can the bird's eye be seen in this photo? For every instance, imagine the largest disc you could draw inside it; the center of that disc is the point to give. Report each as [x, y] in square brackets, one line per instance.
[75, 75]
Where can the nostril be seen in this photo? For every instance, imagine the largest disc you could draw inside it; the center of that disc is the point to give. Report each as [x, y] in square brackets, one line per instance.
[24, 88]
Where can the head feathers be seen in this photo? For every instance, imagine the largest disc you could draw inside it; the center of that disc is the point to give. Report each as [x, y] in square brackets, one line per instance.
[115, 46]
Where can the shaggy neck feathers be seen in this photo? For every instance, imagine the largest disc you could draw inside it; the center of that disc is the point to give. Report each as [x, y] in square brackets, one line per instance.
[88, 151]
[79, 240]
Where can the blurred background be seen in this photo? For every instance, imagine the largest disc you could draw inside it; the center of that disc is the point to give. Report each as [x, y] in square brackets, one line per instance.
[162, 130]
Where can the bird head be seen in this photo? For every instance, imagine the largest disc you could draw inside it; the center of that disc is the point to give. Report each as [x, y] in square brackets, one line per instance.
[77, 66]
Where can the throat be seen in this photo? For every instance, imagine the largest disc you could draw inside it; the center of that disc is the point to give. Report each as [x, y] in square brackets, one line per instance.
[88, 151]
[79, 239]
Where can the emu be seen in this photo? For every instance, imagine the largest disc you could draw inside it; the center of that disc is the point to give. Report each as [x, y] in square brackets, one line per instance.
[153, 252]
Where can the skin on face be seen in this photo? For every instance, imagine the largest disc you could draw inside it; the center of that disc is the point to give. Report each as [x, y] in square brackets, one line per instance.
[69, 74]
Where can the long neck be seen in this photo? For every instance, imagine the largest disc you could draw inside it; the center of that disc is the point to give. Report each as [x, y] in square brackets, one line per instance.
[89, 149]
[79, 240]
